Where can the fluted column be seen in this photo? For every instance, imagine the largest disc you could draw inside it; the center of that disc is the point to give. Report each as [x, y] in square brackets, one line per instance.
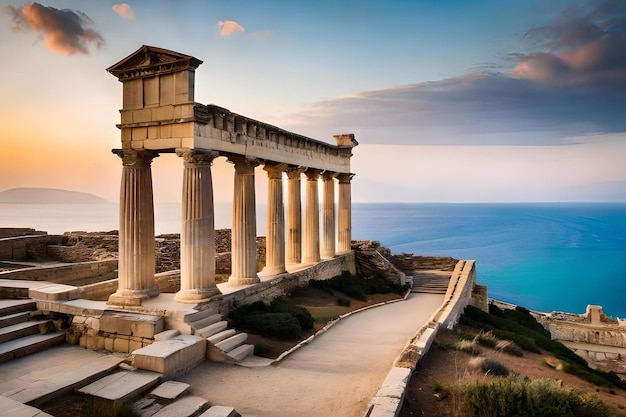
[312, 232]
[294, 219]
[197, 235]
[345, 214]
[275, 240]
[243, 240]
[328, 230]
[136, 235]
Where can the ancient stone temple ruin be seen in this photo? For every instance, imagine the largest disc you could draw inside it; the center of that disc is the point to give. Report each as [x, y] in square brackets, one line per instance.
[159, 115]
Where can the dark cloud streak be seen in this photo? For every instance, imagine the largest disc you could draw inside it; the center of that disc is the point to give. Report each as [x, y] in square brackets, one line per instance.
[65, 31]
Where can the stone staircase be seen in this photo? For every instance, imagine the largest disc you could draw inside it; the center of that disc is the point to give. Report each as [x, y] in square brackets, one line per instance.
[22, 333]
[430, 282]
[223, 344]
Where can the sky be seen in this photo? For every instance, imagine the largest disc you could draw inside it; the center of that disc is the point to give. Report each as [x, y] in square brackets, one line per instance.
[450, 100]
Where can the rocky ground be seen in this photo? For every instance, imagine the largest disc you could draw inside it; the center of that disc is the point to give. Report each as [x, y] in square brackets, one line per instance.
[444, 366]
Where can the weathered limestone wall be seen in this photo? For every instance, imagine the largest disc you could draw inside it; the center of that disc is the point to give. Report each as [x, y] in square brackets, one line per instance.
[22, 248]
[61, 274]
[609, 334]
[18, 231]
[373, 259]
[86, 246]
[409, 262]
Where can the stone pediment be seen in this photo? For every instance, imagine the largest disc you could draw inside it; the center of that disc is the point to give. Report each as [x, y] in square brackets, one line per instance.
[149, 60]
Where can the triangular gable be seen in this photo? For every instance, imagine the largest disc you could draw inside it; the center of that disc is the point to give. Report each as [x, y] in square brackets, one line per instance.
[149, 60]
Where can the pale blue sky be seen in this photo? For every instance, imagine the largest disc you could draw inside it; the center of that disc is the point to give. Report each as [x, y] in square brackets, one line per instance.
[451, 100]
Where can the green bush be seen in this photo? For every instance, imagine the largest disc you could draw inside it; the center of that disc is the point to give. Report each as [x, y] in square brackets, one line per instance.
[357, 286]
[300, 313]
[467, 346]
[509, 347]
[278, 325]
[493, 367]
[344, 301]
[524, 397]
[486, 339]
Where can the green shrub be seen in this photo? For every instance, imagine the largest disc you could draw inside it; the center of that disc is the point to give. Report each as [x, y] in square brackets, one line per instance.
[493, 367]
[278, 325]
[524, 397]
[467, 346]
[261, 349]
[344, 301]
[509, 347]
[524, 342]
[300, 313]
[486, 339]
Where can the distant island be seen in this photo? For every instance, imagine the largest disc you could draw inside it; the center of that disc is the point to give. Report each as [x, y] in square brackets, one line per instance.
[47, 196]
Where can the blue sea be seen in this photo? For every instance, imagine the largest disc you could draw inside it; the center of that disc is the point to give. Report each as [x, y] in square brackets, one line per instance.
[546, 257]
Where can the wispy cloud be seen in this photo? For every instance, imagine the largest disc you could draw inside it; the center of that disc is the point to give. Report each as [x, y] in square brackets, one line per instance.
[229, 27]
[573, 83]
[65, 31]
[261, 35]
[124, 10]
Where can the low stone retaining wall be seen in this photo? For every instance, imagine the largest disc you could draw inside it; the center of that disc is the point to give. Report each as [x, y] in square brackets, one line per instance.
[61, 274]
[21, 248]
[387, 402]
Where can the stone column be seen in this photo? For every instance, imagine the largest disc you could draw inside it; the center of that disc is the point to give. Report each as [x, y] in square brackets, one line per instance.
[328, 231]
[197, 237]
[243, 241]
[275, 242]
[345, 214]
[312, 234]
[136, 235]
[294, 220]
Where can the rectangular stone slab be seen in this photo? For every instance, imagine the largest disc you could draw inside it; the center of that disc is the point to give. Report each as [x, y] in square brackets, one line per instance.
[169, 390]
[171, 356]
[121, 386]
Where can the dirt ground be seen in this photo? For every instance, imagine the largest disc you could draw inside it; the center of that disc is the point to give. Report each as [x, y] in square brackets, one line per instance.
[451, 366]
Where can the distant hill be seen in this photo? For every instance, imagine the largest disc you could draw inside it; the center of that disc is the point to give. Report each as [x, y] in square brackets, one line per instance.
[47, 196]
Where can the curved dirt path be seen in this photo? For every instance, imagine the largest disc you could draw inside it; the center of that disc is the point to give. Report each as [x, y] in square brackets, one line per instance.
[335, 375]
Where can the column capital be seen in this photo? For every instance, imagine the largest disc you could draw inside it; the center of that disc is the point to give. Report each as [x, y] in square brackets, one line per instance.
[344, 178]
[329, 175]
[294, 172]
[195, 157]
[132, 158]
[312, 174]
[243, 165]
[275, 170]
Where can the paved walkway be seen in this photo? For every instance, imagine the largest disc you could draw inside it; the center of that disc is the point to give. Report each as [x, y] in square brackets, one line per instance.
[336, 375]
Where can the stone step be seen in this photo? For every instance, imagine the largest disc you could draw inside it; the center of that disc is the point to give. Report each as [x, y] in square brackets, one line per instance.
[24, 329]
[108, 394]
[171, 357]
[50, 381]
[9, 407]
[221, 336]
[220, 411]
[188, 406]
[29, 344]
[16, 306]
[241, 352]
[212, 329]
[207, 321]
[232, 342]
[167, 334]
[14, 318]
[198, 315]
[168, 391]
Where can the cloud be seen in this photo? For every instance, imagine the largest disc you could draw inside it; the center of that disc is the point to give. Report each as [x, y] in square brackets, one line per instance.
[124, 10]
[229, 27]
[65, 31]
[585, 45]
[572, 84]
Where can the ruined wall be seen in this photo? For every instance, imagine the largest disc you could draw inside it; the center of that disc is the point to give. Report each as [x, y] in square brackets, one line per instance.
[61, 274]
[408, 262]
[373, 259]
[23, 248]
[19, 231]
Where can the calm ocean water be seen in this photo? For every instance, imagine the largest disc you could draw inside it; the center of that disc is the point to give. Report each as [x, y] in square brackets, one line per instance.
[542, 256]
